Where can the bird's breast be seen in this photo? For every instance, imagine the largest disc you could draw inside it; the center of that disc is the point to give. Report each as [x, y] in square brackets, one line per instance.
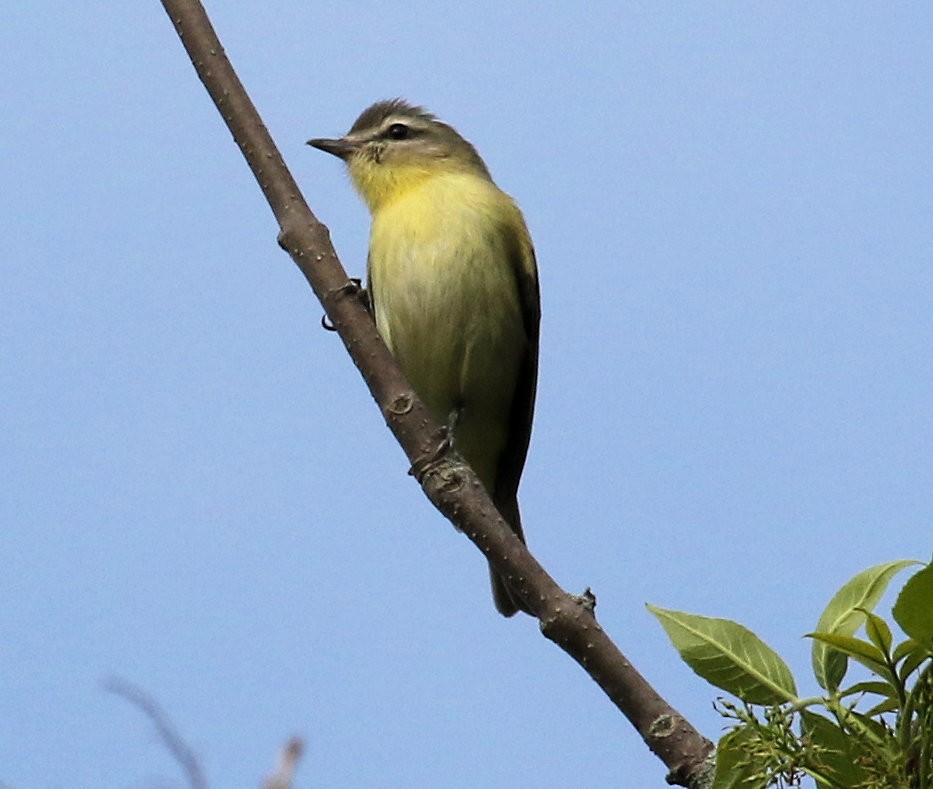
[445, 294]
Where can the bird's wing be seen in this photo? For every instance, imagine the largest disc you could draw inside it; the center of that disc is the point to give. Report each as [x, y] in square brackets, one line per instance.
[524, 269]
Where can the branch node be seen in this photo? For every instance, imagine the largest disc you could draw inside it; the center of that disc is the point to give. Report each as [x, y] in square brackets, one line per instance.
[284, 243]
[439, 471]
[662, 726]
[688, 773]
[587, 600]
[401, 405]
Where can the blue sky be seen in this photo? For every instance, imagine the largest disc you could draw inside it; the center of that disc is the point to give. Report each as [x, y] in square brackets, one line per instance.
[731, 205]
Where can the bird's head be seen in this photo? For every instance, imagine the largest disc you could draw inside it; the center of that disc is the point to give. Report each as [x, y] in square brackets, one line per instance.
[395, 145]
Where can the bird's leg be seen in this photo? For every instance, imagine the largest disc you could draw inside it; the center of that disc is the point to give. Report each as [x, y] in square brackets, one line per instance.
[447, 442]
[426, 462]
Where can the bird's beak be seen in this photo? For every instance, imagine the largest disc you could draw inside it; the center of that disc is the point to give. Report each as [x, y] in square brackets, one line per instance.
[342, 148]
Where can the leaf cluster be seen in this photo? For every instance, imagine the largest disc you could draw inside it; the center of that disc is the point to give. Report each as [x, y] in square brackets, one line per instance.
[871, 734]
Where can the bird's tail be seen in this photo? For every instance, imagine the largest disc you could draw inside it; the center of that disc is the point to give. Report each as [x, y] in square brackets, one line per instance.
[508, 603]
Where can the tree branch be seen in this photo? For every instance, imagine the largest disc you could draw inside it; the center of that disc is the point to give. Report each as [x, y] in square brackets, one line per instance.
[168, 734]
[446, 480]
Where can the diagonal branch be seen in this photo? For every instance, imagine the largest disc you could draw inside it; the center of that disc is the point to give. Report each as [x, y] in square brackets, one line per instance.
[446, 480]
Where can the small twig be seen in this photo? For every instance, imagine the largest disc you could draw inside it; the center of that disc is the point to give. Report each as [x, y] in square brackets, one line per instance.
[167, 732]
[288, 762]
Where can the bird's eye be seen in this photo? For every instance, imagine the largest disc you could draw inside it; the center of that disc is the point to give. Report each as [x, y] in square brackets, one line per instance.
[398, 131]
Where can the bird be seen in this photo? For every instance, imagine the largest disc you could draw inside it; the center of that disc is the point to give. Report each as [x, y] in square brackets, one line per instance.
[453, 286]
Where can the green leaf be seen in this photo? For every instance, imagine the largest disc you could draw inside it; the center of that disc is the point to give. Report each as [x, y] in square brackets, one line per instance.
[888, 705]
[735, 769]
[878, 688]
[913, 610]
[729, 656]
[843, 616]
[903, 649]
[834, 756]
[867, 654]
[878, 632]
[914, 661]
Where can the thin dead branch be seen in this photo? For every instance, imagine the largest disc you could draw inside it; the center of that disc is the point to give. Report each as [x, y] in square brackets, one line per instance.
[168, 734]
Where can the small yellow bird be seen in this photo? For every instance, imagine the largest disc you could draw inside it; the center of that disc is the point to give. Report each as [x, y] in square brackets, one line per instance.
[454, 290]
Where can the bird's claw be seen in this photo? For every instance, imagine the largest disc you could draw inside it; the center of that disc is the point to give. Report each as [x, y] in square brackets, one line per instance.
[353, 286]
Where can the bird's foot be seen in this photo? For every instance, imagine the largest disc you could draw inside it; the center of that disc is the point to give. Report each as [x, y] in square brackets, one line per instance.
[444, 447]
[353, 286]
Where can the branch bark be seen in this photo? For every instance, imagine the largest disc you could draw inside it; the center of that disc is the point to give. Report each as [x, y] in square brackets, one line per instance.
[446, 480]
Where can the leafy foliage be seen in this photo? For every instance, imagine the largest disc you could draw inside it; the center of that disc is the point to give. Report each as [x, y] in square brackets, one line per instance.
[777, 738]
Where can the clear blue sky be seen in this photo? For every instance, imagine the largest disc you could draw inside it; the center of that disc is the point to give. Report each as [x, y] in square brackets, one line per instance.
[731, 204]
